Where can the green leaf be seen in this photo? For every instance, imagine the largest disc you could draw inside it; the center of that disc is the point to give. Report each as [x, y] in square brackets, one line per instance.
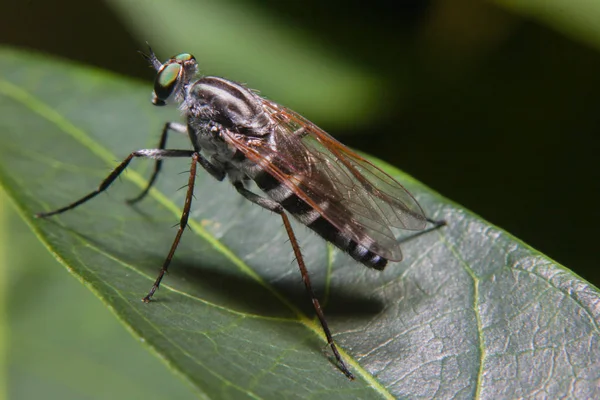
[62, 342]
[470, 312]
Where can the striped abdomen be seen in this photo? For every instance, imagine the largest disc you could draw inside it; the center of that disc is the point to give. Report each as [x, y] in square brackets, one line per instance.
[315, 221]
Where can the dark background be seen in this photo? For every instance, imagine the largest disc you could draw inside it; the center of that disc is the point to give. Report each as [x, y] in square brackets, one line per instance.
[494, 110]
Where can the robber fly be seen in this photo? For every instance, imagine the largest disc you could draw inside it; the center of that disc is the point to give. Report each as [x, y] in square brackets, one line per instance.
[303, 171]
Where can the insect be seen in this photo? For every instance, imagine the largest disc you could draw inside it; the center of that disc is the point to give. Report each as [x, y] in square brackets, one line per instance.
[302, 171]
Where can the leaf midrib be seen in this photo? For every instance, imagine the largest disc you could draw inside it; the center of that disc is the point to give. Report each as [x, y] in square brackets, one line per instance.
[45, 111]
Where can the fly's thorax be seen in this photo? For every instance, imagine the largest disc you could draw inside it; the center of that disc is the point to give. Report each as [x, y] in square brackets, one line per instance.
[227, 103]
[206, 134]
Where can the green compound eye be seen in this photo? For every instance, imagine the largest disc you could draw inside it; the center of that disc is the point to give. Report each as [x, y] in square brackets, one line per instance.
[166, 81]
[184, 57]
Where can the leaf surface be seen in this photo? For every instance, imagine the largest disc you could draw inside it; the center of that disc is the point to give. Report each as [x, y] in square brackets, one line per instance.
[62, 342]
[470, 312]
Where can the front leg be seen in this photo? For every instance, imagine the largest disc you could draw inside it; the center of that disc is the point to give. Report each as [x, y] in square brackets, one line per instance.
[157, 154]
[169, 127]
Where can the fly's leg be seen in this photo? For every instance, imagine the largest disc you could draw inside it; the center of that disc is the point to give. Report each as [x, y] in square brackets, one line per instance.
[182, 224]
[277, 208]
[313, 297]
[169, 126]
[147, 153]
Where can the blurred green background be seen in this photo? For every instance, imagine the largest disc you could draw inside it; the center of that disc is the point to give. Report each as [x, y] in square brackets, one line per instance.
[494, 105]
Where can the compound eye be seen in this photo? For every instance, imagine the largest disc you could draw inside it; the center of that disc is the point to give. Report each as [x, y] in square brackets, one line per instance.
[184, 57]
[166, 81]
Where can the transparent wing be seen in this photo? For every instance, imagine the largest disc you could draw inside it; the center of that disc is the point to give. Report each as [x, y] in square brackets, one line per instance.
[355, 196]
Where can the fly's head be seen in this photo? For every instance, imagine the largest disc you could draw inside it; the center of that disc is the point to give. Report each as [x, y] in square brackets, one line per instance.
[172, 77]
